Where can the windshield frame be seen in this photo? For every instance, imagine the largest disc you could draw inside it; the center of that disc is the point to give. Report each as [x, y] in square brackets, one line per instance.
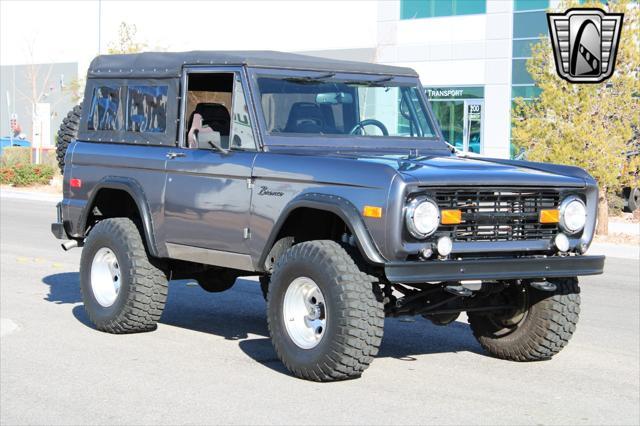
[341, 140]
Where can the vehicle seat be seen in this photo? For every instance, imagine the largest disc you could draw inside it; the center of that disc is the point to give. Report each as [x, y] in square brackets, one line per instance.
[305, 117]
[214, 115]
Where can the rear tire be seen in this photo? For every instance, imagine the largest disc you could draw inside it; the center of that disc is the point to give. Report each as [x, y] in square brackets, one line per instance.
[140, 288]
[348, 339]
[633, 201]
[538, 331]
[67, 133]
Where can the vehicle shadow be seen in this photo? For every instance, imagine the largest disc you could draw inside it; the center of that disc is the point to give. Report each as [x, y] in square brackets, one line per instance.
[239, 314]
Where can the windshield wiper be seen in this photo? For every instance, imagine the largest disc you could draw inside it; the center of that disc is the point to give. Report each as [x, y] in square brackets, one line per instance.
[309, 79]
[383, 79]
[371, 83]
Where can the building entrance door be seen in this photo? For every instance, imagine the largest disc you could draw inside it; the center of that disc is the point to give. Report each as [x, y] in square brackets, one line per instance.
[472, 132]
[460, 113]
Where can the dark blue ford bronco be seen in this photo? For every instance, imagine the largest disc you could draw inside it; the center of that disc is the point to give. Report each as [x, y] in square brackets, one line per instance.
[331, 181]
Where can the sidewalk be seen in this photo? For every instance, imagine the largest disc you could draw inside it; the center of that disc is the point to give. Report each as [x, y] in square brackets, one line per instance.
[24, 194]
[628, 228]
[622, 251]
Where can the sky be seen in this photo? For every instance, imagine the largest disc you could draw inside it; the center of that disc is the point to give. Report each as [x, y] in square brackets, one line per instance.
[67, 31]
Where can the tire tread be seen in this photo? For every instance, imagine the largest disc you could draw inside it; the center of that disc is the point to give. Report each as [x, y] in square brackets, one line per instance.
[554, 322]
[67, 133]
[360, 317]
[148, 287]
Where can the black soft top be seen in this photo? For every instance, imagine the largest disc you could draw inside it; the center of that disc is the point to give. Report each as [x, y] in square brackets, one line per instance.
[169, 64]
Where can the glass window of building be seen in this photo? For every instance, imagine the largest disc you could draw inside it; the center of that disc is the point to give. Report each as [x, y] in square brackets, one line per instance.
[529, 24]
[416, 9]
[460, 113]
[520, 5]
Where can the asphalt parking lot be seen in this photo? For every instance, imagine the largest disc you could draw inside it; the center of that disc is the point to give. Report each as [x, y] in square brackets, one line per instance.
[210, 361]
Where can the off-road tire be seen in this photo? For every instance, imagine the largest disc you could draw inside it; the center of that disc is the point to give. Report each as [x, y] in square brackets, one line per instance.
[67, 133]
[633, 200]
[143, 286]
[549, 323]
[355, 318]
[264, 285]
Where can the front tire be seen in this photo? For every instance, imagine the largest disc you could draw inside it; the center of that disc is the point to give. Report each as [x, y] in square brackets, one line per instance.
[122, 291]
[317, 284]
[538, 330]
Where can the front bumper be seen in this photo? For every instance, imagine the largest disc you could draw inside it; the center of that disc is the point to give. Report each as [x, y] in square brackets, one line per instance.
[493, 269]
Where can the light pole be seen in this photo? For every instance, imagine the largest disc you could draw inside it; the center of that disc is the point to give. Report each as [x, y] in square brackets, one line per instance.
[99, 25]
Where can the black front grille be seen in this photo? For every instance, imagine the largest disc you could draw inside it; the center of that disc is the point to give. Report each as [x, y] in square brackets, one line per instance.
[498, 215]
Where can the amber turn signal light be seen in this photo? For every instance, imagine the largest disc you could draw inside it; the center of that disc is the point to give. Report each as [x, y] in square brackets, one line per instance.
[549, 216]
[372, 211]
[450, 217]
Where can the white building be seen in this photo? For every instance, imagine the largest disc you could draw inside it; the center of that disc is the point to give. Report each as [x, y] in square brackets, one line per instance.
[470, 55]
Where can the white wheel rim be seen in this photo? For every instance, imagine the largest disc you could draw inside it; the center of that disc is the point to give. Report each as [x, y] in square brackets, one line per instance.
[304, 313]
[105, 277]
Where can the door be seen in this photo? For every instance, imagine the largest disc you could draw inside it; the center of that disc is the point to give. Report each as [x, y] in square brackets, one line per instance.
[472, 131]
[450, 116]
[208, 192]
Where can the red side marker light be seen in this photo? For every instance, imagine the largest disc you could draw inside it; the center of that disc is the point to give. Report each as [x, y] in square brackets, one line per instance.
[75, 183]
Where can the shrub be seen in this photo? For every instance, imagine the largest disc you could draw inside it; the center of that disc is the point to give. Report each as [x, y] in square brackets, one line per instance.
[50, 158]
[26, 174]
[6, 175]
[616, 203]
[14, 155]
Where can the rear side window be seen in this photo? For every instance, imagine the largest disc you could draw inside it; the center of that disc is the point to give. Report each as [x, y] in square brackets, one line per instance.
[147, 109]
[105, 113]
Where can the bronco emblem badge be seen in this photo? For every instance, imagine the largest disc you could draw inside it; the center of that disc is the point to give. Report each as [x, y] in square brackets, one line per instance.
[585, 43]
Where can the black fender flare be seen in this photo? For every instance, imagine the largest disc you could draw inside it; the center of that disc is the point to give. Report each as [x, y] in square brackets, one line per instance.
[342, 208]
[134, 189]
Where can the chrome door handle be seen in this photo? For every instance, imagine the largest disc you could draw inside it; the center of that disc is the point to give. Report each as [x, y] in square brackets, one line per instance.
[172, 155]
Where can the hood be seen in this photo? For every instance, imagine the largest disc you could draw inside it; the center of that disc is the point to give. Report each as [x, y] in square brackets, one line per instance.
[444, 169]
[471, 171]
[439, 171]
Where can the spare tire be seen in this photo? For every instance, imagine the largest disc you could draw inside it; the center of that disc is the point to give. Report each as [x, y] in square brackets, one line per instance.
[67, 133]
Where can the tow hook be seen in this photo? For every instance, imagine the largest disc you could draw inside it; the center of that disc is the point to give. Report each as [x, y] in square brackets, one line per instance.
[544, 286]
[68, 245]
[458, 290]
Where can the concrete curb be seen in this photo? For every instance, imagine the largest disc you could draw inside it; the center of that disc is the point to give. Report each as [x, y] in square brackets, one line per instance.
[30, 195]
[622, 251]
[624, 228]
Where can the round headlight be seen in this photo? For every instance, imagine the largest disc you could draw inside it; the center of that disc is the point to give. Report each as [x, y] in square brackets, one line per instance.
[573, 214]
[422, 217]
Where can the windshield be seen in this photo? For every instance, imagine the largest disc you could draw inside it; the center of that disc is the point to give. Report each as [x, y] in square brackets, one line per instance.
[324, 105]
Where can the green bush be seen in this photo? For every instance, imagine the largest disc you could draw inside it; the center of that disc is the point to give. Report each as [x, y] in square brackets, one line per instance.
[616, 204]
[26, 174]
[49, 158]
[12, 156]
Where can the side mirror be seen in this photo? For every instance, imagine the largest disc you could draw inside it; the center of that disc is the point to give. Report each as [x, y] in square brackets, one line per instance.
[206, 137]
